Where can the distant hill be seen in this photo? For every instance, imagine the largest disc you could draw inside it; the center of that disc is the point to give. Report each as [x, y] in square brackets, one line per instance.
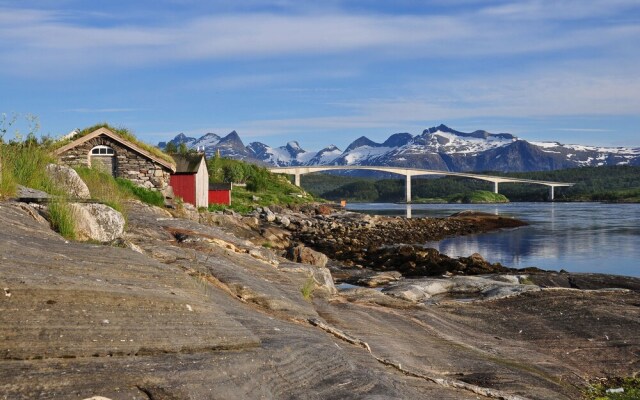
[440, 148]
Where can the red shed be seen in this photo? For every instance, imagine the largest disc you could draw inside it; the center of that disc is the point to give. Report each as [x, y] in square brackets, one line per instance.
[191, 179]
[220, 193]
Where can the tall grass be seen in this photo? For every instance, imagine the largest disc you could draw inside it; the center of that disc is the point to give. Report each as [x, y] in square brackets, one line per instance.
[148, 196]
[103, 188]
[114, 192]
[23, 163]
[62, 218]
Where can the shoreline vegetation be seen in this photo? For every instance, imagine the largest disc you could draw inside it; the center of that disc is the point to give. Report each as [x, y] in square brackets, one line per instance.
[605, 184]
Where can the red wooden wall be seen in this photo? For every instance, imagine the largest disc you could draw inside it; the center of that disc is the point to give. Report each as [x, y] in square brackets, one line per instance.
[185, 186]
[220, 197]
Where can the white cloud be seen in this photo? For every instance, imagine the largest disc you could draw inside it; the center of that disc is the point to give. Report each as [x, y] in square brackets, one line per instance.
[45, 42]
[558, 9]
[101, 110]
[540, 95]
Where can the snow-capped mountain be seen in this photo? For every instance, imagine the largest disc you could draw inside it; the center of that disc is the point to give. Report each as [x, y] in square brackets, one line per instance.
[440, 148]
[180, 138]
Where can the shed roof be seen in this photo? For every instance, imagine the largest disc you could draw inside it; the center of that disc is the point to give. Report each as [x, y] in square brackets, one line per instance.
[109, 133]
[219, 186]
[188, 163]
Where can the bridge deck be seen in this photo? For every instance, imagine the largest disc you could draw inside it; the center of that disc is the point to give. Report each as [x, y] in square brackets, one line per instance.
[410, 172]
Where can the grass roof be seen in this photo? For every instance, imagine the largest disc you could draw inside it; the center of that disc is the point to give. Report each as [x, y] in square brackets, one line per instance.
[123, 133]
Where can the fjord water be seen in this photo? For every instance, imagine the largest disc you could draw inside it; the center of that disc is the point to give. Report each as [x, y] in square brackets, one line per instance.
[576, 237]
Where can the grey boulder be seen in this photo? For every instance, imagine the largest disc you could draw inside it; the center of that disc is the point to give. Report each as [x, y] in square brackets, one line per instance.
[69, 180]
[97, 222]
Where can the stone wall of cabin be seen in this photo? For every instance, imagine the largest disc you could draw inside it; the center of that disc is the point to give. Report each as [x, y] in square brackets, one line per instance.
[129, 164]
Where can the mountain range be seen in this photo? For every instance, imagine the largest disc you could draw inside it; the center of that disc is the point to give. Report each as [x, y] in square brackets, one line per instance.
[439, 148]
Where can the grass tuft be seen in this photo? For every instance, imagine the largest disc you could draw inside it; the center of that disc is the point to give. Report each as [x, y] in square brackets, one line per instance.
[62, 218]
[308, 287]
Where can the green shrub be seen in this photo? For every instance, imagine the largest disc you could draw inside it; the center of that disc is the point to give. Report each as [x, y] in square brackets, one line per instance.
[478, 196]
[262, 187]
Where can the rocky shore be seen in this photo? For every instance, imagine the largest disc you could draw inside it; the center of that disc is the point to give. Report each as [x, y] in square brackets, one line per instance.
[360, 244]
[222, 306]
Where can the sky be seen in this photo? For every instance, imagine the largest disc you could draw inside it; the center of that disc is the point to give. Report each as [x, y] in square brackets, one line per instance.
[325, 72]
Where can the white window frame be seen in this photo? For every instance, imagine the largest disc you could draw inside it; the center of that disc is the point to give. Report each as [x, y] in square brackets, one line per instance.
[104, 151]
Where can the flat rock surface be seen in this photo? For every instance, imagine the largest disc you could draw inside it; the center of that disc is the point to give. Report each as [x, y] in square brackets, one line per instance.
[197, 312]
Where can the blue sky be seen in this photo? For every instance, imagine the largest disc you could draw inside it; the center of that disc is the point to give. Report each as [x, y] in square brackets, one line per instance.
[326, 72]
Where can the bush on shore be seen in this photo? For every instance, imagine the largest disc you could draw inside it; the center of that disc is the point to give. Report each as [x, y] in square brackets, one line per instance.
[262, 188]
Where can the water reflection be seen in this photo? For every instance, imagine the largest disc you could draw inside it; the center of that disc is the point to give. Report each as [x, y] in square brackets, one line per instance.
[586, 237]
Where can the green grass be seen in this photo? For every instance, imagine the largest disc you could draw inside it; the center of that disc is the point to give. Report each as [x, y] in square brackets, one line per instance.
[262, 187]
[598, 391]
[103, 188]
[24, 163]
[62, 218]
[242, 200]
[430, 200]
[153, 197]
[308, 287]
[114, 192]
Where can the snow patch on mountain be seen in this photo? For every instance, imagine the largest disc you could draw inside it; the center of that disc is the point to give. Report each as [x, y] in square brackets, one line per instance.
[446, 142]
[363, 153]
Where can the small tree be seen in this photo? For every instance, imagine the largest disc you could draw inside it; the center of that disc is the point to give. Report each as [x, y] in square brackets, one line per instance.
[171, 148]
[233, 173]
[259, 179]
[182, 149]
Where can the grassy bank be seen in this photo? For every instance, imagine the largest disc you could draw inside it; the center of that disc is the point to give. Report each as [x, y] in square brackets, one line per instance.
[262, 188]
[475, 197]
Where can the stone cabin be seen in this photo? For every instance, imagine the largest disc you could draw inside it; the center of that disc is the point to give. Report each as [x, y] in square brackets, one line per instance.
[106, 150]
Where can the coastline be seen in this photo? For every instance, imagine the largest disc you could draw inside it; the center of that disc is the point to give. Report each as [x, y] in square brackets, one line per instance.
[199, 301]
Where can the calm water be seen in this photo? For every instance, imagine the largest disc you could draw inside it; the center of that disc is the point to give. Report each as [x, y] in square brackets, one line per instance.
[577, 237]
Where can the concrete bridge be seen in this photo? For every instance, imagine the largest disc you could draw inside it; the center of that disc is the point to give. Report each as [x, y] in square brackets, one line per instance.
[411, 172]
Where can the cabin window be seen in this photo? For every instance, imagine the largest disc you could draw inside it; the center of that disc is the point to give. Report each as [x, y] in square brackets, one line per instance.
[102, 151]
[103, 158]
